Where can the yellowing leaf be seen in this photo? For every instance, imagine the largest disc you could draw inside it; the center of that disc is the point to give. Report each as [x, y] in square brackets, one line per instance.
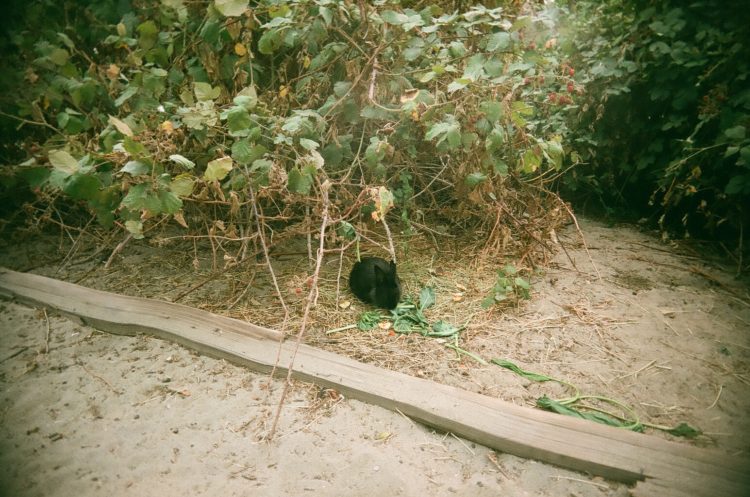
[231, 8]
[121, 126]
[240, 49]
[63, 161]
[113, 71]
[167, 127]
[218, 169]
[180, 219]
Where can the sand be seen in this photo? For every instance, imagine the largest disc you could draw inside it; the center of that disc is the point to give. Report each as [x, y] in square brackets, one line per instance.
[85, 413]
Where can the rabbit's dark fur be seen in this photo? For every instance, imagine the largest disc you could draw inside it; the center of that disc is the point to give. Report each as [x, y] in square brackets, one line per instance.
[374, 280]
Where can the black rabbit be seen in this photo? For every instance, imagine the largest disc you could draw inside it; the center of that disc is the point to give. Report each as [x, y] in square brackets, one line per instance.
[374, 280]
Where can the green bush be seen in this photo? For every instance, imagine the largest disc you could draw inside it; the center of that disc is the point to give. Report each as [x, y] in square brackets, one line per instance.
[664, 126]
[171, 109]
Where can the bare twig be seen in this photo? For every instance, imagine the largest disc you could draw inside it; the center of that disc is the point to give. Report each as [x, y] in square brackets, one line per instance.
[262, 238]
[103, 380]
[579, 480]
[324, 188]
[583, 238]
[390, 240]
[117, 249]
[713, 404]
[46, 335]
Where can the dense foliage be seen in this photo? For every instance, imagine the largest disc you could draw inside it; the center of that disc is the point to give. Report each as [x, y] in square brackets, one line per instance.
[664, 125]
[144, 111]
[161, 110]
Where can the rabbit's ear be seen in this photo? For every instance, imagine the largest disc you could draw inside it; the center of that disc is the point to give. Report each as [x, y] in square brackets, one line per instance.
[393, 267]
[380, 275]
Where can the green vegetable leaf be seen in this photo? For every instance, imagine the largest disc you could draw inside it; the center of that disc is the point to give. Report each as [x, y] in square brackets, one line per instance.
[598, 417]
[526, 374]
[442, 329]
[427, 298]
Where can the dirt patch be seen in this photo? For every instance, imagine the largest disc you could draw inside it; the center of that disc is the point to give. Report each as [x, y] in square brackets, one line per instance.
[632, 319]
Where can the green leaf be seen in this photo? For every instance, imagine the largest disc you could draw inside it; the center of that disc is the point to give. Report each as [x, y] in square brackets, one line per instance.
[82, 186]
[458, 84]
[346, 231]
[124, 96]
[493, 110]
[135, 200]
[66, 40]
[270, 42]
[500, 167]
[448, 129]
[231, 8]
[522, 283]
[526, 374]
[134, 148]
[183, 161]
[735, 133]
[59, 56]
[552, 405]
[737, 185]
[375, 151]
[245, 152]
[498, 41]
[148, 34]
[395, 18]
[239, 121]
[63, 162]
[369, 320]
[326, 14]
[473, 179]
[531, 161]
[554, 151]
[684, 430]
[442, 329]
[301, 181]
[259, 170]
[247, 98]
[487, 302]
[308, 144]
[135, 167]
[427, 298]
[170, 202]
[495, 140]
[218, 169]
[34, 176]
[204, 91]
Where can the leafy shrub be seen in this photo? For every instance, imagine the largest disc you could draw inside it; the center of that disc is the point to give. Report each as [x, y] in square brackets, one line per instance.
[664, 122]
[177, 110]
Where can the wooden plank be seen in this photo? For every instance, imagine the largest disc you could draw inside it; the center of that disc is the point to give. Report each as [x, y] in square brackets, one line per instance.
[572, 443]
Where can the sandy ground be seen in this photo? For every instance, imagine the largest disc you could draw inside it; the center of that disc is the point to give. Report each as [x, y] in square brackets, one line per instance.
[86, 413]
[106, 415]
